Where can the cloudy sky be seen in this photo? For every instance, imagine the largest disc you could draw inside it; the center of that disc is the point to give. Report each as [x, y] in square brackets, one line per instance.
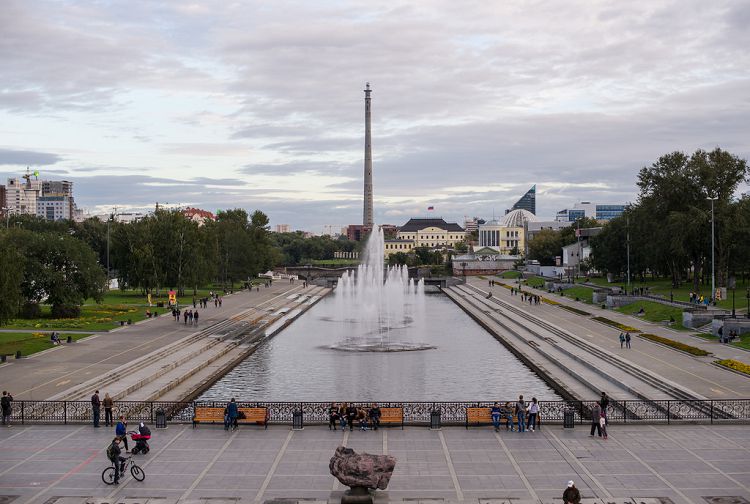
[259, 105]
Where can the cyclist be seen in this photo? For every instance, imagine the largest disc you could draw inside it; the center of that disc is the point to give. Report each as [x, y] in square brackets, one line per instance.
[114, 456]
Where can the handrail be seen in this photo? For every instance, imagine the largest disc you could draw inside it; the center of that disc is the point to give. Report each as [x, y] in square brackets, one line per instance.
[415, 413]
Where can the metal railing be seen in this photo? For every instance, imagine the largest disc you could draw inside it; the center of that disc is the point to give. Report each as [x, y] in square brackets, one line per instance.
[415, 413]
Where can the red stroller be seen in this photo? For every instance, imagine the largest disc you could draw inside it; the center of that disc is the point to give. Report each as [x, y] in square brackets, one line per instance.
[141, 440]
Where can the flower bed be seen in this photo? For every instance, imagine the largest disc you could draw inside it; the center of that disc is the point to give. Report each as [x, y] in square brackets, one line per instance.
[622, 327]
[734, 365]
[574, 310]
[676, 344]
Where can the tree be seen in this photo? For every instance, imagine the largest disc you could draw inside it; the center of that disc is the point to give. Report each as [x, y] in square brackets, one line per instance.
[546, 245]
[11, 276]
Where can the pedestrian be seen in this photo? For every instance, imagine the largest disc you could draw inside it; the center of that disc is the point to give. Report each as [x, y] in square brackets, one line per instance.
[190, 316]
[604, 402]
[495, 413]
[622, 339]
[230, 418]
[596, 414]
[108, 410]
[521, 414]
[185, 316]
[374, 416]
[627, 340]
[603, 424]
[7, 407]
[351, 415]
[333, 416]
[216, 302]
[571, 495]
[533, 413]
[121, 431]
[195, 317]
[219, 302]
[95, 407]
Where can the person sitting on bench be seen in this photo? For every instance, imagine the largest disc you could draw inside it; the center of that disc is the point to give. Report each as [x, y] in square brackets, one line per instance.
[55, 338]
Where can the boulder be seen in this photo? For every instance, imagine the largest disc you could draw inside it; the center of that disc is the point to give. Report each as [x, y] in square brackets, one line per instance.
[362, 470]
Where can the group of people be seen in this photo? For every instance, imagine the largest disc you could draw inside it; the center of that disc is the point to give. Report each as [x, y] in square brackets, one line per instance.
[625, 340]
[114, 452]
[526, 415]
[728, 338]
[599, 416]
[349, 414]
[96, 408]
[699, 299]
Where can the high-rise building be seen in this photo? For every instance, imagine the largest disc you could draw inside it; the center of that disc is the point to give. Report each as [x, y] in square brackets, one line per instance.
[527, 202]
[367, 220]
[282, 228]
[48, 199]
[591, 211]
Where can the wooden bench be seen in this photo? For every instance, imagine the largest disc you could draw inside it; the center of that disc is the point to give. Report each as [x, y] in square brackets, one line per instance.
[212, 415]
[392, 416]
[480, 416]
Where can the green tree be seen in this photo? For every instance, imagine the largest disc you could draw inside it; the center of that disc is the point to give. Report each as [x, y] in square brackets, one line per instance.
[11, 276]
[546, 245]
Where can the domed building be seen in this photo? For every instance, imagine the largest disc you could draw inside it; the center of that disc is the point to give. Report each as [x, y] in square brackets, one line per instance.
[518, 218]
[506, 236]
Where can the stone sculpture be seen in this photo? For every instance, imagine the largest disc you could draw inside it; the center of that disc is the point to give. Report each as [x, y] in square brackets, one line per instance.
[361, 472]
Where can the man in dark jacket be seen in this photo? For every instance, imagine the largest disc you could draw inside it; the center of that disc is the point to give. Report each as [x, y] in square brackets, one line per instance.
[96, 407]
[114, 456]
[375, 416]
[5, 404]
[571, 495]
[351, 414]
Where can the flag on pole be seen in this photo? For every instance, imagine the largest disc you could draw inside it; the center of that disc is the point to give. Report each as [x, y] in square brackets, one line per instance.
[430, 208]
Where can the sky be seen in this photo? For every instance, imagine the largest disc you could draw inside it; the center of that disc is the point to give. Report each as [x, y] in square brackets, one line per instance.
[260, 105]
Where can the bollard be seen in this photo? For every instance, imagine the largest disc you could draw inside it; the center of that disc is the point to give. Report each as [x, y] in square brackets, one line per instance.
[297, 422]
[3, 358]
[69, 339]
[122, 323]
[18, 354]
[435, 423]
[568, 419]
[161, 419]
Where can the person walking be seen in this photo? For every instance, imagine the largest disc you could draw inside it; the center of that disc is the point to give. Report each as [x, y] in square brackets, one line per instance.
[622, 340]
[596, 414]
[108, 402]
[121, 431]
[96, 407]
[521, 414]
[195, 317]
[571, 495]
[495, 413]
[185, 316]
[604, 403]
[603, 424]
[7, 407]
[231, 415]
[627, 340]
[533, 413]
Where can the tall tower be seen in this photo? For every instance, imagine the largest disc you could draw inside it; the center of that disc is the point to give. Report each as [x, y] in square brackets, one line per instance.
[367, 219]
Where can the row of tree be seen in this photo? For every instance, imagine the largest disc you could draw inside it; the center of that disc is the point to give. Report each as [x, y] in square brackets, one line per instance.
[669, 228]
[63, 263]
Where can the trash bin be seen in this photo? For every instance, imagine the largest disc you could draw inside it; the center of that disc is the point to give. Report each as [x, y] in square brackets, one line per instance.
[435, 420]
[297, 423]
[161, 419]
[70, 339]
[18, 354]
[569, 418]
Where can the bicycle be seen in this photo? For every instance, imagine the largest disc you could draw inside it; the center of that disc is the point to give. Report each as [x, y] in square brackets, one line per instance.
[108, 474]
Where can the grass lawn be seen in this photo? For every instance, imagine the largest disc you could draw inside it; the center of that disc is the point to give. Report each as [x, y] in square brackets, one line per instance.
[137, 298]
[535, 282]
[510, 274]
[584, 294]
[29, 343]
[655, 312]
[744, 342]
[93, 318]
[663, 287]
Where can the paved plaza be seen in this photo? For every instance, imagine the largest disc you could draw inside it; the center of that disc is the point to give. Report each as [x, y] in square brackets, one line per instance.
[643, 463]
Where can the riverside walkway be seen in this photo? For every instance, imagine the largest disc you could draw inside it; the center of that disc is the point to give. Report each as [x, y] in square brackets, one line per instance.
[637, 464]
[63, 367]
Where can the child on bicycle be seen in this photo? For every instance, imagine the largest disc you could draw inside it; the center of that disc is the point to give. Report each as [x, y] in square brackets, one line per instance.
[114, 455]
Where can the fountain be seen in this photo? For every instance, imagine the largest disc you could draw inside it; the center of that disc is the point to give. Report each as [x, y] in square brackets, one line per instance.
[382, 302]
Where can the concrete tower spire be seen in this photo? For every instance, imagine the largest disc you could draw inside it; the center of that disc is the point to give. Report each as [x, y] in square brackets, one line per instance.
[367, 220]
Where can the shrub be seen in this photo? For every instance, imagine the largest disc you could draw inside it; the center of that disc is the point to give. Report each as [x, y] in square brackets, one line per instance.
[550, 302]
[622, 327]
[676, 344]
[65, 311]
[31, 310]
[735, 365]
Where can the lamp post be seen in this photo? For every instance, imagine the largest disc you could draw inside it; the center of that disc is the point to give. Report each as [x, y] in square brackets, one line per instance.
[713, 264]
[732, 284]
[627, 226]
[747, 296]
[463, 270]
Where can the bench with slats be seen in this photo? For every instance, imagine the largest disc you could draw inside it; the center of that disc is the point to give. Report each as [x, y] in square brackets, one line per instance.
[213, 415]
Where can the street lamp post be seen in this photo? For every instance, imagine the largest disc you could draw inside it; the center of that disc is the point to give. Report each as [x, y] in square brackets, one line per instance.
[747, 296]
[713, 264]
[627, 225]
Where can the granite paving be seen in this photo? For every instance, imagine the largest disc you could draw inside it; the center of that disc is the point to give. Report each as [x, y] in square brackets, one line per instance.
[637, 464]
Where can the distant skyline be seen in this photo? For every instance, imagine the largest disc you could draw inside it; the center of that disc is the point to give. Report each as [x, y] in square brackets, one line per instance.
[260, 106]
